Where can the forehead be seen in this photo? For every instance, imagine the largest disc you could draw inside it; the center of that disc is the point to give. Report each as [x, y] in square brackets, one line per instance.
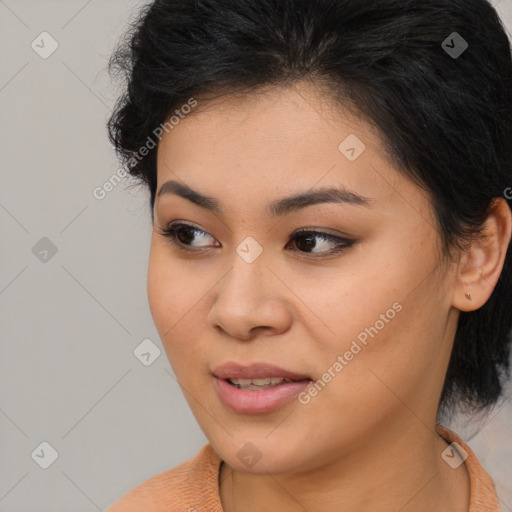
[273, 142]
[303, 118]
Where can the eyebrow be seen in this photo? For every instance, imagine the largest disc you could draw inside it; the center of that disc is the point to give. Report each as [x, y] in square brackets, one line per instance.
[276, 208]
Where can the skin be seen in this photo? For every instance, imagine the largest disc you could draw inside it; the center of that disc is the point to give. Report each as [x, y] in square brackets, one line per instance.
[366, 442]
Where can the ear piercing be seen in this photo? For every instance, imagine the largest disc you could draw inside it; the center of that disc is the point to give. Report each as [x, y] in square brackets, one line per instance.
[468, 296]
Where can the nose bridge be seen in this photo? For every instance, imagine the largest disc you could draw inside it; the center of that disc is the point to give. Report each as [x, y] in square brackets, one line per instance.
[248, 270]
[249, 250]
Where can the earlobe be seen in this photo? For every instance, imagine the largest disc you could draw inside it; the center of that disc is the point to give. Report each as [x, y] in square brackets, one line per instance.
[481, 265]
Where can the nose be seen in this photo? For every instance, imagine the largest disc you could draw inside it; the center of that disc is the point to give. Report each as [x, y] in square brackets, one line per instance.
[251, 301]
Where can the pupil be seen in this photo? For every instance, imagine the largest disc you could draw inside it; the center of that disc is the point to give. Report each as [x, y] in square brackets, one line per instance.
[310, 242]
[187, 231]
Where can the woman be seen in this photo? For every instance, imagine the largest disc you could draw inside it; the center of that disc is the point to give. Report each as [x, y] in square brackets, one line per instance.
[330, 268]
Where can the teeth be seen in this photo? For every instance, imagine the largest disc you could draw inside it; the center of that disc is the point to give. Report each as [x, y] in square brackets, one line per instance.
[257, 384]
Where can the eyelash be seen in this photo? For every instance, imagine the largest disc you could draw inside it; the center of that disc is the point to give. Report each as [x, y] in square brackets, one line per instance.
[172, 230]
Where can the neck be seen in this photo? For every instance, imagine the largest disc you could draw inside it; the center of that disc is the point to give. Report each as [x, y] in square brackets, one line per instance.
[396, 470]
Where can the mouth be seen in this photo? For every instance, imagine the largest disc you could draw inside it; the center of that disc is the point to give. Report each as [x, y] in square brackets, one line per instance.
[259, 384]
[257, 388]
[257, 372]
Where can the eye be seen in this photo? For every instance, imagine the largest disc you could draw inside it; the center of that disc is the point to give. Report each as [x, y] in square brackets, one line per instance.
[307, 241]
[182, 236]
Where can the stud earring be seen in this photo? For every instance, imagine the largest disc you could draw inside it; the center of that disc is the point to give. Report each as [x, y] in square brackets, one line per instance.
[468, 296]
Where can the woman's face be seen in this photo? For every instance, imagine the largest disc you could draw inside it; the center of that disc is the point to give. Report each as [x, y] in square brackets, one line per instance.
[363, 307]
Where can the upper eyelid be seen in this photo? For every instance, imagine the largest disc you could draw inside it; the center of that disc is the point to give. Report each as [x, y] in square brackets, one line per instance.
[319, 231]
[177, 225]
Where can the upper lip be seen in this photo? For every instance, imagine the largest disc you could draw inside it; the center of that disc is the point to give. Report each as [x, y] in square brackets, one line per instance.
[233, 370]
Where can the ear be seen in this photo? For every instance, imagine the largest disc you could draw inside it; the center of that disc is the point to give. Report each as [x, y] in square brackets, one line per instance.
[480, 266]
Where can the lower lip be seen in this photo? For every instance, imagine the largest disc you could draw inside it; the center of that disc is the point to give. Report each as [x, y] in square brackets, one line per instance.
[247, 401]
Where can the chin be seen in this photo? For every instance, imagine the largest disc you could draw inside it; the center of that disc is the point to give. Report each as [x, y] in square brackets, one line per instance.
[260, 456]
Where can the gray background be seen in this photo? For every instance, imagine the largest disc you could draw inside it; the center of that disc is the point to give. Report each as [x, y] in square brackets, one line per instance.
[70, 321]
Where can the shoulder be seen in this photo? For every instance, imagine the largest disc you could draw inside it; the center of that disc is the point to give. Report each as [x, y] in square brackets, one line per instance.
[483, 493]
[186, 487]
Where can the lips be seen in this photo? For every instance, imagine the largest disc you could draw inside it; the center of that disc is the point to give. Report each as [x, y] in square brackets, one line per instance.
[234, 384]
[233, 370]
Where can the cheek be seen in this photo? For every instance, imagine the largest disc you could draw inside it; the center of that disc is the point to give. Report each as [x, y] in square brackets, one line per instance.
[171, 290]
[391, 363]
[158, 289]
[383, 327]
[359, 306]
[174, 297]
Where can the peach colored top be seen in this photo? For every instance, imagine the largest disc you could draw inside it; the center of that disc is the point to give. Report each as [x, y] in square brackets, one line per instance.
[193, 486]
